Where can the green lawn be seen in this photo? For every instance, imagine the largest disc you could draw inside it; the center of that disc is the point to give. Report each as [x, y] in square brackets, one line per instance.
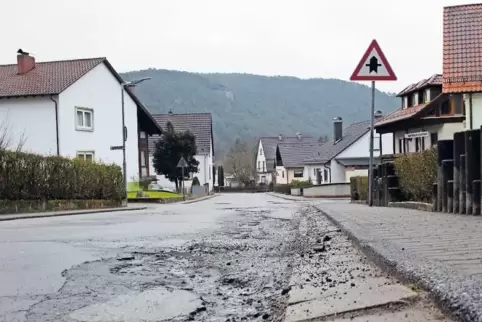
[154, 194]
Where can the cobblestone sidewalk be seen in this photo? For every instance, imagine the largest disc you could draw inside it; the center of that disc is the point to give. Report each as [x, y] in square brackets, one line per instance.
[440, 252]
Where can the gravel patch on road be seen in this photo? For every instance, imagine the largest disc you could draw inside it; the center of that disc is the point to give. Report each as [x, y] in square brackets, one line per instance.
[237, 274]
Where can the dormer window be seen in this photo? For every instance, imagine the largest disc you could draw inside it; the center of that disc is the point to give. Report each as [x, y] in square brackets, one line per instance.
[415, 99]
[426, 95]
[409, 100]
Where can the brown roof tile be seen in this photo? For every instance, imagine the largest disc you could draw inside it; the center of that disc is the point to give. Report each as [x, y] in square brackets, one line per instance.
[462, 48]
[46, 78]
[434, 80]
[200, 124]
[53, 77]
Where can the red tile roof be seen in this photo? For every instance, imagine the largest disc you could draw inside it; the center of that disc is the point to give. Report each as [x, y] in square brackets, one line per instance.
[400, 114]
[53, 77]
[462, 49]
[46, 78]
[434, 80]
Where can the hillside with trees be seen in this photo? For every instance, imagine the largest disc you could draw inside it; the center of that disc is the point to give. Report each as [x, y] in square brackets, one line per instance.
[249, 106]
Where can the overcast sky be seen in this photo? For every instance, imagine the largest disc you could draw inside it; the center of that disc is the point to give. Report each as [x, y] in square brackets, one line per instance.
[303, 38]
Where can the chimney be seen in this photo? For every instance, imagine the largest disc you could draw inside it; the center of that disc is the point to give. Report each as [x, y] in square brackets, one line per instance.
[170, 112]
[378, 114]
[280, 137]
[337, 129]
[25, 62]
[298, 135]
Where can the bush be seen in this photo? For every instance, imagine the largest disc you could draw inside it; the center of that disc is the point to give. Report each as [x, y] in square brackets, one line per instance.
[359, 188]
[282, 188]
[416, 173]
[25, 176]
[301, 184]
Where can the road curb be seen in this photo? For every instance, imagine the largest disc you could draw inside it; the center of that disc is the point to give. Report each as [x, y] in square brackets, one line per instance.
[199, 199]
[281, 196]
[458, 296]
[62, 214]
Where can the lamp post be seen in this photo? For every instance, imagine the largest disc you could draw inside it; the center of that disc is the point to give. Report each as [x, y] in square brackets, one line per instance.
[124, 128]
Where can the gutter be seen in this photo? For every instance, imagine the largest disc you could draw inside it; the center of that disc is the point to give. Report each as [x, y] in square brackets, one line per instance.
[56, 104]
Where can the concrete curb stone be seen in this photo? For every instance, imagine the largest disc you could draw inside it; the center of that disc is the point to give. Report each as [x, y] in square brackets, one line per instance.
[200, 199]
[66, 213]
[459, 296]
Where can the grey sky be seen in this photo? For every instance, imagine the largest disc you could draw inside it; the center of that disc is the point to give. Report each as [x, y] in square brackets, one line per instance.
[303, 38]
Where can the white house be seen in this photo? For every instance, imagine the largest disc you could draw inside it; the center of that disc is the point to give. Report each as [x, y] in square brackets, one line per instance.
[346, 154]
[72, 108]
[201, 125]
[266, 157]
[426, 115]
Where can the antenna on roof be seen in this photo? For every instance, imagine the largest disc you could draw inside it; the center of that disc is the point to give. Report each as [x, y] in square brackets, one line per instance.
[21, 52]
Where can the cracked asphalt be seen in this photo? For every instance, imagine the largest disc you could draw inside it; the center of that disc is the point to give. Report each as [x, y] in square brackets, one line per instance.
[235, 257]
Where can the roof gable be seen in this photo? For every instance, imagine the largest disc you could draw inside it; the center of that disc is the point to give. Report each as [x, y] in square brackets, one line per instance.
[47, 78]
[270, 143]
[200, 124]
[331, 149]
[434, 80]
[293, 155]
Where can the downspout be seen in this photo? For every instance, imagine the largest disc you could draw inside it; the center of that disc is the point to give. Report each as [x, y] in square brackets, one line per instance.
[470, 107]
[56, 123]
[329, 171]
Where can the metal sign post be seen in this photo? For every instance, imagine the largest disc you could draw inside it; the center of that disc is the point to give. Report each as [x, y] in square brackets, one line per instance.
[373, 67]
[182, 164]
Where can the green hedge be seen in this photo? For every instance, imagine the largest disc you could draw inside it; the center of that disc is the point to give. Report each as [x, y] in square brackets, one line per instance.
[416, 173]
[25, 176]
[359, 188]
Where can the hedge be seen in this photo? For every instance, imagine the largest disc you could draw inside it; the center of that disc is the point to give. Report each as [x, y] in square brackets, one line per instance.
[359, 188]
[417, 172]
[25, 176]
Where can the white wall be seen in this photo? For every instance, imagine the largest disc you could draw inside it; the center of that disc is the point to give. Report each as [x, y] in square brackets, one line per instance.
[281, 175]
[261, 169]
[205, 172]
[444, 132]
[337, 172]
[361, 148]
[99, 90]
[476, 111]
[34, 118]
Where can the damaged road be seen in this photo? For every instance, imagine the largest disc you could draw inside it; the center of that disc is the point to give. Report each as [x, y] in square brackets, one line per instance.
[236, 257]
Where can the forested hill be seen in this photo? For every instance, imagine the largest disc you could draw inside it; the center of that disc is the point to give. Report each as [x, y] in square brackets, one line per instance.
[250, 106]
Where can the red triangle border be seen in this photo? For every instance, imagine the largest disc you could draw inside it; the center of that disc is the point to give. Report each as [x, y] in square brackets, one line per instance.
[391, 75]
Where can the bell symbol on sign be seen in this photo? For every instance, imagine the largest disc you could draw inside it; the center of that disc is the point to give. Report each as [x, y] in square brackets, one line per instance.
[373, 65]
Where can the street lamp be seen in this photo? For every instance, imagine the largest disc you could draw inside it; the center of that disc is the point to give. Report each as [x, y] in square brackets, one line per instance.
[132, 83]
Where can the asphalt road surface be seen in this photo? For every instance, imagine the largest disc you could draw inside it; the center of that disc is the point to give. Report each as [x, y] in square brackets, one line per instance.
[235, 257]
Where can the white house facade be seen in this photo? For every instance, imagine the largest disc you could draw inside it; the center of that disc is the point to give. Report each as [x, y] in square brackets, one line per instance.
[346, 154]
[267, 169]
[78, 115]
[200, 124]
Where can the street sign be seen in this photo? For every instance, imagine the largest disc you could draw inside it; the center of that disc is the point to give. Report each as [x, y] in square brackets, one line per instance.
[182, 163]
[416, 135]
[116, 147]
[373, 66]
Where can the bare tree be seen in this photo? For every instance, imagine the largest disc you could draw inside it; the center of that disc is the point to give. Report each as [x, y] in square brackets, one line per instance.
[6, 140]
[239, 162]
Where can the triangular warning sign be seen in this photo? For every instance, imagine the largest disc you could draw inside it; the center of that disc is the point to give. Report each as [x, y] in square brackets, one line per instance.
[373, 66]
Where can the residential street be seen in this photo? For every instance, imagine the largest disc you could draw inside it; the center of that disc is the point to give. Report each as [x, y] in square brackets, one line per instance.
[235, 257]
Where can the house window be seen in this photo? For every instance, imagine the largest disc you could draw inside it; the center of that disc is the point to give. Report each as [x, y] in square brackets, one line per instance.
[264, 167]
[86, 155]
[325, 175]
[143, 162]
[445, 108]
[425, 96]
[282, 174]
[400, 145]
[418, 144]
[433, 139]
[298, 173]
[260, 151]
[84, 119]
[259, 165]
[142, 134]
[415, 99]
